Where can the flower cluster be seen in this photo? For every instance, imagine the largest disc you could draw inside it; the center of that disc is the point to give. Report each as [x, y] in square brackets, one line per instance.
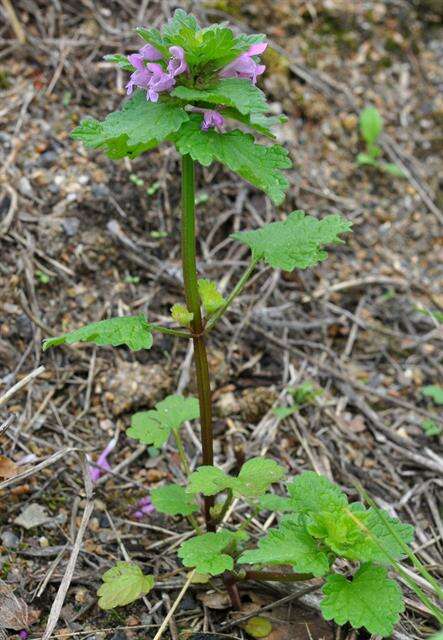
[150, 75]
[155, 79]
[144, 508]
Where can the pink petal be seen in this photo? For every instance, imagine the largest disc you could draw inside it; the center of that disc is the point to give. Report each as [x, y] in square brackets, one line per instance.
[150, 53]
[257, 49]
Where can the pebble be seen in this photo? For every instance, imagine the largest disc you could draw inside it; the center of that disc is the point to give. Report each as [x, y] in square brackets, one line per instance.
[9, 539]
[25, 188]
[24, 327]
[99, 191]
[48, 158]
[70, 226]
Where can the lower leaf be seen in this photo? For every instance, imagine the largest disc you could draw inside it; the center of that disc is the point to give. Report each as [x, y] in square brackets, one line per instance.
[123, 584]
[370, 600]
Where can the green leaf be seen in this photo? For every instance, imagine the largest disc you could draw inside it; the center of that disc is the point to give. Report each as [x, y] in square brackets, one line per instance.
[205, 552]
[154, 426]
[173, 500]
[371, 600]
[366, 158]
[180, 23]
[390, 167]
[181, 315]
[232, 92]
[206, 49]
[285, 412]
[434, 391]
[147, 429]
[209, 481]
[359, 534]
[139, 126]
[248, 39]
[376, 542]
[91, 133]
[258, 121]
[175, 410]
[123, 584]
[371, 124]
[431, 428]
[255, 477]
[289, 544]
[312, 493]
[272, 502]
[121, 60]
[133, 331]
[305, 393]
[211, 298]
[374, 151]
[434, 314]
[257, 627]
[295, 243]
[259, 165]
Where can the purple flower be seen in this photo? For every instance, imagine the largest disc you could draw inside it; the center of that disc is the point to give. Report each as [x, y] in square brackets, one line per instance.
[150, 53]
[212, 118]
[23, 634]
[159, 81]
[245, 66]
[141, 76]
[145, 507]
[177, 64]
[102, 465]
[151, 76]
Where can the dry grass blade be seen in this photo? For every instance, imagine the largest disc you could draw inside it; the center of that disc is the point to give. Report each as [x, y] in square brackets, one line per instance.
[67, 578]
[22, 383]
[38, 467]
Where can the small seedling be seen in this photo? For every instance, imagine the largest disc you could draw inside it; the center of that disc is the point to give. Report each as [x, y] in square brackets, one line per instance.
[42, 277]
[430, 428]
[132, 279]
[436, 315]
[186, 84]
[371, 127]
[155, 186]
[434, 391]
[159, 234]
[136, 180]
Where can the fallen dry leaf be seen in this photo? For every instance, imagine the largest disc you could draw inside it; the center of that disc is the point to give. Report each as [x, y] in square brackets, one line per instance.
[215, 600]
[14, 612]
[8, 468]
[31, 516]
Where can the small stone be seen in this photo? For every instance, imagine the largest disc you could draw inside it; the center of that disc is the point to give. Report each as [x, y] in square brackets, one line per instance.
[155, 475]
[70, 226]
[99, 191]
[81, 596]
[25, 188]
[24, 327]
[9, 539]
[47, 159]
[350, 121]
[227, 405]
[94, 524]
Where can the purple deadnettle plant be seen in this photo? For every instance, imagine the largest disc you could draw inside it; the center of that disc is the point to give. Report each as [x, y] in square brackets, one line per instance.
[195, 88]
